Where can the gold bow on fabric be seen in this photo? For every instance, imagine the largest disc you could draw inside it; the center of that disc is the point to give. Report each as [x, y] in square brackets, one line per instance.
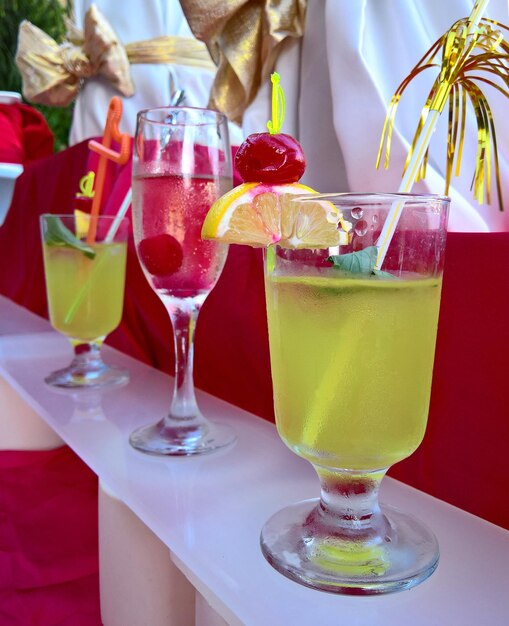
[52, 74]
[244, 39]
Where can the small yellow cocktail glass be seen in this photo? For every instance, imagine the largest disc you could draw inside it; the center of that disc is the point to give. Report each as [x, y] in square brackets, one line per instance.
[85, 290]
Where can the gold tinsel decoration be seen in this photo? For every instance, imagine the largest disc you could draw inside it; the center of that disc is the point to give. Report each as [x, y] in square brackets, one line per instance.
[467, 61]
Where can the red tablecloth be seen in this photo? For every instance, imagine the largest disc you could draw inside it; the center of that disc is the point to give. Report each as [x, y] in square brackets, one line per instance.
[462, 458]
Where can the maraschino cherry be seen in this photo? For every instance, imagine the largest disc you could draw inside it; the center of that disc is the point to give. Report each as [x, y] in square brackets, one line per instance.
[161, 255]
[273, 157]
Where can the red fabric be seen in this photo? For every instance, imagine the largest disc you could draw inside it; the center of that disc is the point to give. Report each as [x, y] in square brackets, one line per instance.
[25, 134]
[48, 540]
[462, 458]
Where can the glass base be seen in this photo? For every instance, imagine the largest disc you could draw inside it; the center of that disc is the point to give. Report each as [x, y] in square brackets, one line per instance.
[180, 440]
[404, 556]
[103, 377]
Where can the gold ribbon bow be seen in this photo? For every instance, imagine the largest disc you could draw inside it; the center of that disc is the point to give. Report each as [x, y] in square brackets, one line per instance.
[244, 39]
[52, 74]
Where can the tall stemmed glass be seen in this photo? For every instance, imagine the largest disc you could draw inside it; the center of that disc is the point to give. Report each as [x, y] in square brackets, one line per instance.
[181, 165]
[351, 351]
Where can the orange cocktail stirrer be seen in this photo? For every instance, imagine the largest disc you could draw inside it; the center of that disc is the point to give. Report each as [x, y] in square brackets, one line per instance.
[103, 149]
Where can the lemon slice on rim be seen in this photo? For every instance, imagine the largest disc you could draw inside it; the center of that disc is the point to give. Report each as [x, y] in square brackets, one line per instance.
[259, 215]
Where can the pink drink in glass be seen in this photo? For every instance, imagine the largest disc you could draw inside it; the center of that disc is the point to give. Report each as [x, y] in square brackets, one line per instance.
[182, 264]
[181, 166]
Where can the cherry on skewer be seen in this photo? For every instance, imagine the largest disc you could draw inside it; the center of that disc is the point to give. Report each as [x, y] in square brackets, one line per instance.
[273, 157]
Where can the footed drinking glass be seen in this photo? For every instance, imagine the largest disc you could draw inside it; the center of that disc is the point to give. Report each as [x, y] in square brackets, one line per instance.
[181, 165]
[85, 289]
[352, 352]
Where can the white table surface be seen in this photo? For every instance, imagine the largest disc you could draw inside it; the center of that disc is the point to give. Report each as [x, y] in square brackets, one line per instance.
[209, 510]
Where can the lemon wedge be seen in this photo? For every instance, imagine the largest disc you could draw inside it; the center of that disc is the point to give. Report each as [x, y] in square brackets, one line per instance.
[82, 222]
[259, 215]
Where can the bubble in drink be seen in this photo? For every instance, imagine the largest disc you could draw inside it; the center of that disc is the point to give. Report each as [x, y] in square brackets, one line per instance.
[357, 213]
[361, 228]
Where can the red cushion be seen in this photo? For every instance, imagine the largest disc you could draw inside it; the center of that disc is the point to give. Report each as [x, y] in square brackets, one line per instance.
[25, 135]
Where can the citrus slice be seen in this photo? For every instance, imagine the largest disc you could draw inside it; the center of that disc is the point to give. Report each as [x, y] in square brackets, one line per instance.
[259, 215]
[82, 223]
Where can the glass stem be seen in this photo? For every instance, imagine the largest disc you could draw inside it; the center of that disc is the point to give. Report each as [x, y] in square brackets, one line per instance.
[87, 357]
[183, 317]
[349, 504]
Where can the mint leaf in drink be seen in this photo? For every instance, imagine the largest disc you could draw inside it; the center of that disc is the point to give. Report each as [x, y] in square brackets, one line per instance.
[383, 274]
[360, 262]
[59, 235]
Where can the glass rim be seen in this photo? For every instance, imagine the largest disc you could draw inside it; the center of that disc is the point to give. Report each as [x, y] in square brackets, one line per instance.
[219, 117]
[360, 197]
[73, 216]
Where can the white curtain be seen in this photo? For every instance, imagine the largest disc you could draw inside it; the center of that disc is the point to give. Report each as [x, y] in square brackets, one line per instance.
[136, 20]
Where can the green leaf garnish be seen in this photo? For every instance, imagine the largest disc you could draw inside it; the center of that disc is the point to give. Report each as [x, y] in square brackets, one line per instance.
[59, 235]
[383, 274]
[360, 262]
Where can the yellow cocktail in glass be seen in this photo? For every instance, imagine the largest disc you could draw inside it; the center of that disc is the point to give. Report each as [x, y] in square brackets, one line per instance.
[67, 271]
[352, 350]
[350, 392]
[85, 289]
